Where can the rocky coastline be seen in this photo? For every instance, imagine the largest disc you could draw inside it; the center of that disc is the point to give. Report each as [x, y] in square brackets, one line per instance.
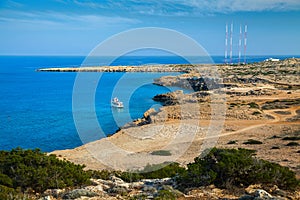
[260, 106]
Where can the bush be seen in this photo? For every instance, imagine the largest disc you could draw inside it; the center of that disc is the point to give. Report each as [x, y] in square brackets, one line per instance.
[256, 113]
[232, 142]
[293, 144]
[104, 174]
[33, 169]
[251, 141]
[165, 195]
[223, 167]
[293, 138]
[161, 153]
[165, 170]
[275, 147]
[253, 105]
[275, 137]
[6, 192]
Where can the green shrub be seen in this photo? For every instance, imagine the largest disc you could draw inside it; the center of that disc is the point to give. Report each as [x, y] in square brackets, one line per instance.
[235, 167]
[293, 138]
[253, 105]
[6, 192]
[161, 153]
[275, 137]
[251, 141]
[232, 142]
[104, 174]
[165, 195]
[33, 169]
[233, 104]
[256, 113]
[164, 170]
[292, 144]
[130, 176]
[275, 147]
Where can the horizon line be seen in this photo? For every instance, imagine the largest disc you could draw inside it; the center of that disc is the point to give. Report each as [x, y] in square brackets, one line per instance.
[74, 55]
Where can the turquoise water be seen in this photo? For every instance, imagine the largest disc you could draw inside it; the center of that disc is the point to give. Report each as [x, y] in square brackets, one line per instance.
[36, 107]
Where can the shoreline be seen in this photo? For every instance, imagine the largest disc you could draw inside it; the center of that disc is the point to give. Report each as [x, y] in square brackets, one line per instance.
[144, 68]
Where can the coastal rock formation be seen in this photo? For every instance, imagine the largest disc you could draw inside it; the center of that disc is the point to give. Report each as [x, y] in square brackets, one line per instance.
[170, 98]
[191, 81]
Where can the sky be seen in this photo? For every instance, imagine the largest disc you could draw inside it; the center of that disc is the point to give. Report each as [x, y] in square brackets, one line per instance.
[75, 27]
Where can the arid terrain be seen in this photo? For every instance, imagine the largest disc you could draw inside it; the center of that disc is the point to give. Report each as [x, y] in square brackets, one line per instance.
[256, 107]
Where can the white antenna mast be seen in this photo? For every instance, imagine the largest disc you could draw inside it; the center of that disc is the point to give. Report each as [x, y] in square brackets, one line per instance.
[231, 42]
[226, 44]
[240, 44]
[245, 42]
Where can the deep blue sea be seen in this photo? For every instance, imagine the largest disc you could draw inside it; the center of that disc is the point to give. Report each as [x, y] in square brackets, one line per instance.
[36, 107]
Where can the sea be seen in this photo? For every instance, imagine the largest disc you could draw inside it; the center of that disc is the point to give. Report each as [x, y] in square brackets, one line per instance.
[36, 108]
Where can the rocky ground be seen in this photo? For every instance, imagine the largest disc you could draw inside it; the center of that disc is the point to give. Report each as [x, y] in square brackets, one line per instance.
[115, 188]
[255, 102]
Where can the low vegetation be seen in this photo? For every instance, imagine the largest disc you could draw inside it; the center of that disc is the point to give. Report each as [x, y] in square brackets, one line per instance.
[161, 153]
[253, 105]
[31, 171]
[251, 141]
[275, 147]
[256, 113]
[293, 138]
[227, 167]
[280, 104]
[292, 144]
[221, 167]
[232, 142]
[163, 170]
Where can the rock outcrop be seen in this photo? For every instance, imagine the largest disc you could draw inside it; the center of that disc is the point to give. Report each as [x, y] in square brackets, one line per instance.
[116, 188]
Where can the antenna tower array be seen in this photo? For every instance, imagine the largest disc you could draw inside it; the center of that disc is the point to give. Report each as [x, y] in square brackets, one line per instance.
[242, 38]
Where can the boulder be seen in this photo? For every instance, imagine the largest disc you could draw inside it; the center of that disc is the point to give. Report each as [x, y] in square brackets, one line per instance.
[74, 194]
[97, 188]
[262, 195]
[54, 192]
[117, 190]
[149, 190]
[252, 188]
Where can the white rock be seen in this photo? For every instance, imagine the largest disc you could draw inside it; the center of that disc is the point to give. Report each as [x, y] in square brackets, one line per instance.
[136, 185]
[262, 194]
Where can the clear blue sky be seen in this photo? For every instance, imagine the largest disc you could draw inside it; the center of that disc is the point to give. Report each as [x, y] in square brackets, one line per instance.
[75, 27]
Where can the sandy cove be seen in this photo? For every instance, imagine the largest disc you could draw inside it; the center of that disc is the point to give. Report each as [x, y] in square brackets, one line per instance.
[266, 112]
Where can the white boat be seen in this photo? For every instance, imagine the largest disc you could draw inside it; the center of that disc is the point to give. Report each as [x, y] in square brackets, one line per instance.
[115, 102]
